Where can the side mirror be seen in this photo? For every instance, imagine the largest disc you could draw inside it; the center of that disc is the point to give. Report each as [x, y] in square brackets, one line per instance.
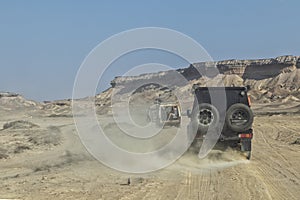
[188, 113]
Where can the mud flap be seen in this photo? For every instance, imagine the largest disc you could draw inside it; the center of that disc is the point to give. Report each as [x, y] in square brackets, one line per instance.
[246, 145]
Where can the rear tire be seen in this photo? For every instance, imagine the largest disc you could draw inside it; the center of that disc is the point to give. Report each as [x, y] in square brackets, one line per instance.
[208, 117]
[248, 155]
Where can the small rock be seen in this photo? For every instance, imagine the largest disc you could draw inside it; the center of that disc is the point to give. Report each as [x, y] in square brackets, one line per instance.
[297, 141]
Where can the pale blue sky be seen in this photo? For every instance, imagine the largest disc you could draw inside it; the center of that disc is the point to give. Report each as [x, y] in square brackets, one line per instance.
[42, 43]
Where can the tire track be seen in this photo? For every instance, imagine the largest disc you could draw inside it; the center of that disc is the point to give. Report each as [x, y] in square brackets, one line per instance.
[275, 174]
[198, 186]
[277, 150]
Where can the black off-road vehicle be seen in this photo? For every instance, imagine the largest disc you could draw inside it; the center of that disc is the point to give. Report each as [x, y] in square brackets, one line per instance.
[233, 117]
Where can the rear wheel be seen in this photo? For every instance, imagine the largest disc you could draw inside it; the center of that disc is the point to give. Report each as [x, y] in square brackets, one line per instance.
[195, 146]
[208, 117]
[248, 155]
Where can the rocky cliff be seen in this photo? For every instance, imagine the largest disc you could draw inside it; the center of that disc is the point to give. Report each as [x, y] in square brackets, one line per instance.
[257, 69]
[10, 101]
[274, 79]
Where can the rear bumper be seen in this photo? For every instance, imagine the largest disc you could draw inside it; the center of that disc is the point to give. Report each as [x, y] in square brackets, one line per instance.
[244, 144]
[226, 138]
[230, 135]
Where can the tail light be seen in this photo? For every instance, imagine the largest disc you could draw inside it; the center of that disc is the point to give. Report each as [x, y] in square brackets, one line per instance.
[249, 100]
[245, 135]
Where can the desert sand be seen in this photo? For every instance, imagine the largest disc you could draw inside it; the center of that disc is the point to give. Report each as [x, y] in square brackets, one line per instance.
[43, 158]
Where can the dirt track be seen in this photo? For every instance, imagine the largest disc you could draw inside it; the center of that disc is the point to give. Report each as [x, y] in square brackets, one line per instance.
[67, 171]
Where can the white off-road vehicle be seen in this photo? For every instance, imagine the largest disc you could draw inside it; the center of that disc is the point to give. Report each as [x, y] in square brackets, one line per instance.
[165, 114]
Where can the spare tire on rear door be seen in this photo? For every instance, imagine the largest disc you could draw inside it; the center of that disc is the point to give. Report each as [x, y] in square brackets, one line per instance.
[208, 117]
[239, 117]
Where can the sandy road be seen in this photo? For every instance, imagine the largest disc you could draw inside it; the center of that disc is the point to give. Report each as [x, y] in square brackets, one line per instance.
[272, 173]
